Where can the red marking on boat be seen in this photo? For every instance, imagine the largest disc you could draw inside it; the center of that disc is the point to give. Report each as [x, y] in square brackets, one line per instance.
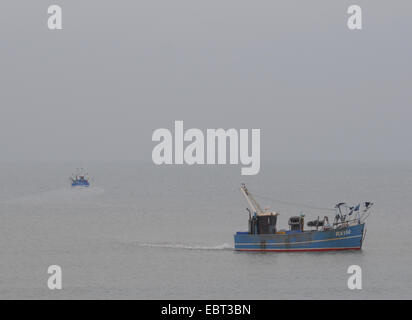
[300, 250]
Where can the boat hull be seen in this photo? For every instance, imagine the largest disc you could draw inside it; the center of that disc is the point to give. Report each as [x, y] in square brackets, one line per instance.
[80, 184]
[347, 238]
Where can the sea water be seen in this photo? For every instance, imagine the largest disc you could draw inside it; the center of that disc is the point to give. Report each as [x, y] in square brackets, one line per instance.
[147, 232]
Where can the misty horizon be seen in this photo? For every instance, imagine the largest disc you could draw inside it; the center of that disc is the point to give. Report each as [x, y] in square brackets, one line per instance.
[96, 90]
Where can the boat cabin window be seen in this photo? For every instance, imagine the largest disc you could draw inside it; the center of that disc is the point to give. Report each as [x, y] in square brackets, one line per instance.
[296, 223]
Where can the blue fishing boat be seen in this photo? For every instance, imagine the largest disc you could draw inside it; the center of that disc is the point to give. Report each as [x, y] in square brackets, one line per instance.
[80, 179]
[347, 232]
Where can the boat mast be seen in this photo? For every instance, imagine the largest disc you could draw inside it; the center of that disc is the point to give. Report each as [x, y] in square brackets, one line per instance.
[251, 201]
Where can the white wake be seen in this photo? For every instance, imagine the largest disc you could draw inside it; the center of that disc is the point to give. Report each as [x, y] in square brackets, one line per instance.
[224, 246]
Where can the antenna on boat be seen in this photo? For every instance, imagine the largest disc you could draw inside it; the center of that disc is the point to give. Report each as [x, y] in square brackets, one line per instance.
[365, 211]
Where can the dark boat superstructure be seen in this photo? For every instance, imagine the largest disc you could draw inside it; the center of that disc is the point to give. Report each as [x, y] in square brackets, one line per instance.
[346, 233]
[80, 179]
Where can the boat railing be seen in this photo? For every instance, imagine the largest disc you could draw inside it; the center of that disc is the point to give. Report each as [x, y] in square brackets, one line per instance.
[347, 222]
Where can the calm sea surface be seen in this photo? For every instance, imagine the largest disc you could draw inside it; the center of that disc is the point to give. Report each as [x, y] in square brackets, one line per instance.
[147, 232]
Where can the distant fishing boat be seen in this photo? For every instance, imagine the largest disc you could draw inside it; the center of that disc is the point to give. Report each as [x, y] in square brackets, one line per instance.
[80, 178]
[347, 232]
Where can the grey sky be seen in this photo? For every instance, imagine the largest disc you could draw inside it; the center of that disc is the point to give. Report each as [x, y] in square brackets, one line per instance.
[121, 69]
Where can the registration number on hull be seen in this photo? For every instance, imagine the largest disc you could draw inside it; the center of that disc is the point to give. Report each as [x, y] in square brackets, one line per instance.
[343, 233]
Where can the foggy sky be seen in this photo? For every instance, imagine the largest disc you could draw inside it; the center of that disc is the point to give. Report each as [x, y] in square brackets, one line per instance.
[118, 70]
